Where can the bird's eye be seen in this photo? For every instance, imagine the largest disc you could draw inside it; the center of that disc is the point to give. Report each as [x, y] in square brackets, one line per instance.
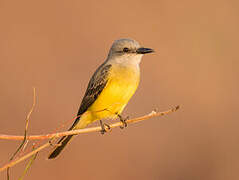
[126, 49]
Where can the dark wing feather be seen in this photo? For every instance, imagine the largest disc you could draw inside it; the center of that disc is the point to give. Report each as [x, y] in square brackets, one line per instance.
[95, 87]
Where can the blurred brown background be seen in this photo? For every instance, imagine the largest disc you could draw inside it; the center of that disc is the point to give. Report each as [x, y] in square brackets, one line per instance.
[56, 45]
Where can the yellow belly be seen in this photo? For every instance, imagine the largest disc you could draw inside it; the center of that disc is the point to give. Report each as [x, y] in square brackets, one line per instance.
[121, 85]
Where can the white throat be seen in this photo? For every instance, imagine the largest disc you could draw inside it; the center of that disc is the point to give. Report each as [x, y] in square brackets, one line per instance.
[128, 60]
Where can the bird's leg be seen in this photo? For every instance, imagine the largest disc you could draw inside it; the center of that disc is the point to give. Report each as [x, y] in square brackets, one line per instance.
[103, 129]
[123, 120]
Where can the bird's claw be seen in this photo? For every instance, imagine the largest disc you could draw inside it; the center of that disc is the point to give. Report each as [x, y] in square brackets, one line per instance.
[123, 120]
[103, 129]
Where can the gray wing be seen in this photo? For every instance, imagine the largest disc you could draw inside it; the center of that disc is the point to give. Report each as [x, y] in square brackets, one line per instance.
[95, 87]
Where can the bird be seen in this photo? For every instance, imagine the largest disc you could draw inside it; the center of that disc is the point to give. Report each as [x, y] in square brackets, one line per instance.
[110, 88]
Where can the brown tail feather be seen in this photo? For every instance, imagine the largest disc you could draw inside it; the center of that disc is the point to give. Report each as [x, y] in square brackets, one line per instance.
[63, 141]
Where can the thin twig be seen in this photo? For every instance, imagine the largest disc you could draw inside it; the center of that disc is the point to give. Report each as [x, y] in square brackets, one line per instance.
[12, 163]
[28, 165]
[74, 132]
[87, 130]
[21, 146]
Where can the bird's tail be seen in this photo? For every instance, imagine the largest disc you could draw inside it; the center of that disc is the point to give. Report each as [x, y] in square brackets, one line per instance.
[65, 139]
[62, 143]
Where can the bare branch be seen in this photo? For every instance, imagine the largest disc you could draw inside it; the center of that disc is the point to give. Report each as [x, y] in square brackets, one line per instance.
[12, 163]
[24, 141]
[74, 132]
[29, 164]
[87, 130]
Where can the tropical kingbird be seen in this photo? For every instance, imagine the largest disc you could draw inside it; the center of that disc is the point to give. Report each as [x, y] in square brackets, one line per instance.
[110, 88]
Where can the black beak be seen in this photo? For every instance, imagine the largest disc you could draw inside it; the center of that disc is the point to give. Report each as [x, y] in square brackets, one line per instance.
[144, 50]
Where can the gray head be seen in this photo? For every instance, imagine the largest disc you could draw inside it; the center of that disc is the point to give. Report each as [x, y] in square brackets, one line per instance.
[126, 49]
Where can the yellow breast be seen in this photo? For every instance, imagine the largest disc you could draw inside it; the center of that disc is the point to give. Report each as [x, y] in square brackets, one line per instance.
[122, 84]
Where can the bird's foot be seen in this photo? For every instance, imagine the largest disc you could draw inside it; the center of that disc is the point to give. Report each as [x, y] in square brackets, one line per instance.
[104, 127]
[123, 120]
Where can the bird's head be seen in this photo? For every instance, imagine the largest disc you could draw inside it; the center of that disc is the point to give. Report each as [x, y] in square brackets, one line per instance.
[124, 50]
